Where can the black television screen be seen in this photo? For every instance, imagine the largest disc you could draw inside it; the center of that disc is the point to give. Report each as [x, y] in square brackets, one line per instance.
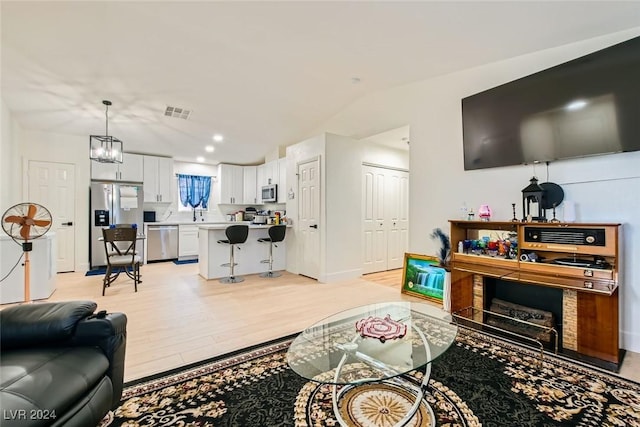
[587, 106]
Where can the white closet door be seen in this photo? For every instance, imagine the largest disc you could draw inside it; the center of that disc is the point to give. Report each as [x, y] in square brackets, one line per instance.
[384, 218]
[397, 198]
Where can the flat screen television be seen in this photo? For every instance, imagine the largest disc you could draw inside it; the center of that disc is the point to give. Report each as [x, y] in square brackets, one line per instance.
[584, 107]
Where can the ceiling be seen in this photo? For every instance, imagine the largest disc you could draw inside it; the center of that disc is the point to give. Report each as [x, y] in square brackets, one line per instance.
[263, 74]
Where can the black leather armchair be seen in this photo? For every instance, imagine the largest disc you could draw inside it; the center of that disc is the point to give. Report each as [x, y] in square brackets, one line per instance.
[60, 364]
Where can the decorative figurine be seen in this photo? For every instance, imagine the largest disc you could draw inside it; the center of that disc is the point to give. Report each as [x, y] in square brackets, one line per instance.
[484, 213]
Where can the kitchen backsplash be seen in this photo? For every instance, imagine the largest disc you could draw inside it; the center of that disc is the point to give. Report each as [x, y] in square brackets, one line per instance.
[217, 213]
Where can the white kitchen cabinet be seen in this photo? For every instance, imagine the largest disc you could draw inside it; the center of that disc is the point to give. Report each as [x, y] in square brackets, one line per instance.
[282, 180]
[272, 172]
[158, 179]
[231, 187]
[131, 169]
[250, 191]
[260, 178]
[267, 174]
[187, 240]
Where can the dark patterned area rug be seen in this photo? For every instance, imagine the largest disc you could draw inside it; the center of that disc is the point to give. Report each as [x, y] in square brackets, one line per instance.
[479, 381]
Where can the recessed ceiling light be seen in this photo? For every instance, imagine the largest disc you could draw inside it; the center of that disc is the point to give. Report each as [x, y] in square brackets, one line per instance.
[200, 159]
[218, 138]
[576, 105]
[209, 148]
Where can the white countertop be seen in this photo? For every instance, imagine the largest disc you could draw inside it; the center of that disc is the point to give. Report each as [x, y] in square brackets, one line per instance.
[222, 226]
[186, 222]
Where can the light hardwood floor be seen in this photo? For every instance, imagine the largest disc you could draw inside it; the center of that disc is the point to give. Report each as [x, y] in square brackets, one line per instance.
[177, 317]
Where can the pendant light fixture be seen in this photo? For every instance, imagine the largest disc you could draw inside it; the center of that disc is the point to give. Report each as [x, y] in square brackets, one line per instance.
[105, 148]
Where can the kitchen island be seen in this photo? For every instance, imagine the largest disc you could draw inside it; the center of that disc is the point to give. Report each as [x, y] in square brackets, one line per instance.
[212, 254]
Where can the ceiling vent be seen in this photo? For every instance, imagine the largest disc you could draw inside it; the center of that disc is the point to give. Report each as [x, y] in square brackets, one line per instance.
[180, 113]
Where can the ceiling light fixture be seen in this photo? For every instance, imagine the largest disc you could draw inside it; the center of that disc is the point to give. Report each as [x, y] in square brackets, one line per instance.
[200, 159]
[105, 148]
[576, 105]
[209, 148]
[218, 138]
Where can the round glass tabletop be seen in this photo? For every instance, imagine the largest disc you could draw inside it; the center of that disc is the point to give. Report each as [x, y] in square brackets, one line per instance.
[371, 343]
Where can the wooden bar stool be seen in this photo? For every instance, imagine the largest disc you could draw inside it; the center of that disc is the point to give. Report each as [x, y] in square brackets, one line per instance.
[236, 234]
[276, 234]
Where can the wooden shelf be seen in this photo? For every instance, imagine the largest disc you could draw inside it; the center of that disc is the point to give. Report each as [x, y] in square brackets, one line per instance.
[590, 294]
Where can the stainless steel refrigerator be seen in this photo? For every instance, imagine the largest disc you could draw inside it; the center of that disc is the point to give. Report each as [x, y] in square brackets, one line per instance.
[113, 203]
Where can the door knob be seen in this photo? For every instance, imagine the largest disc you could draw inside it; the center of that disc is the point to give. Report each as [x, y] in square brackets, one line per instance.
[314, 226]
[67, 223]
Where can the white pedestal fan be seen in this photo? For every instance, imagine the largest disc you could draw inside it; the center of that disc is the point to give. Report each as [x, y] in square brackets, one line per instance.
[23, 223]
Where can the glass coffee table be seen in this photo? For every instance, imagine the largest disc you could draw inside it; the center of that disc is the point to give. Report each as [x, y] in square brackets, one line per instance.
[375, 343]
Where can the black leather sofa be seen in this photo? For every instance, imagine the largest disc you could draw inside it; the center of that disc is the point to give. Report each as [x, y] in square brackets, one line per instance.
[61, 364]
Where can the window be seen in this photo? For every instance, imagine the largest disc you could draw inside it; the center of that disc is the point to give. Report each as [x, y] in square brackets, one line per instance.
[194, 192]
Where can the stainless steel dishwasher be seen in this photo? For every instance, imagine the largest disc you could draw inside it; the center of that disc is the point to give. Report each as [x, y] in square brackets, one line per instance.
[162, 242]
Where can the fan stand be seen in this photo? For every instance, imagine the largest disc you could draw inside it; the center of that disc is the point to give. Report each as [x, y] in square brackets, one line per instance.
[26, 248]
[25, 216]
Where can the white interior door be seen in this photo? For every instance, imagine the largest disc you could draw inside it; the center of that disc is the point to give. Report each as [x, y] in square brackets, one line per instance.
[52, 185]
[385, 219]
[397, 190]
[375, 233]
[309, 218]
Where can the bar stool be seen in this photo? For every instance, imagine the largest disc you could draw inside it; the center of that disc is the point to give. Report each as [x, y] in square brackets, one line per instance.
[276, 234]
[236, 234]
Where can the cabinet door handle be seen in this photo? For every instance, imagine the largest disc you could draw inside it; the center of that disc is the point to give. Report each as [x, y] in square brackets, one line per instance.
[314, 226]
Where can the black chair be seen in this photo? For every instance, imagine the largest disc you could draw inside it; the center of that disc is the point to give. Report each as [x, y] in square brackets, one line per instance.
[236, 234]
[120, 247]
[276, 234]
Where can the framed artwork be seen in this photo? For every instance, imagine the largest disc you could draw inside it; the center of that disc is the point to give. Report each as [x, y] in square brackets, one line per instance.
[423, 277]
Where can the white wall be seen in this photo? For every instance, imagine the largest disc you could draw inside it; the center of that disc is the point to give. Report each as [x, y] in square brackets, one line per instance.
[10, 165]
[343, 207]
[381, 155]
[604, 188]
[70, 149]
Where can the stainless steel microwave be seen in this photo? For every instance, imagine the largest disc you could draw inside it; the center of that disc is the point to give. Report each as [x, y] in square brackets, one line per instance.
[270, 193]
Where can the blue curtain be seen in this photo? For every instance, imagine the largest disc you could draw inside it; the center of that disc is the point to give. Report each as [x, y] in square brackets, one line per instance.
[194, 190]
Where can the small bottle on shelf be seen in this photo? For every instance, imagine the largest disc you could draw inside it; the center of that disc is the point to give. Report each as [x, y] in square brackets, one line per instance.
[464, 214]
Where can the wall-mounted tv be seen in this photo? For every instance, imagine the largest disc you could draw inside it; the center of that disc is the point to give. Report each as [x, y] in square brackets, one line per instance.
[587, 106]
